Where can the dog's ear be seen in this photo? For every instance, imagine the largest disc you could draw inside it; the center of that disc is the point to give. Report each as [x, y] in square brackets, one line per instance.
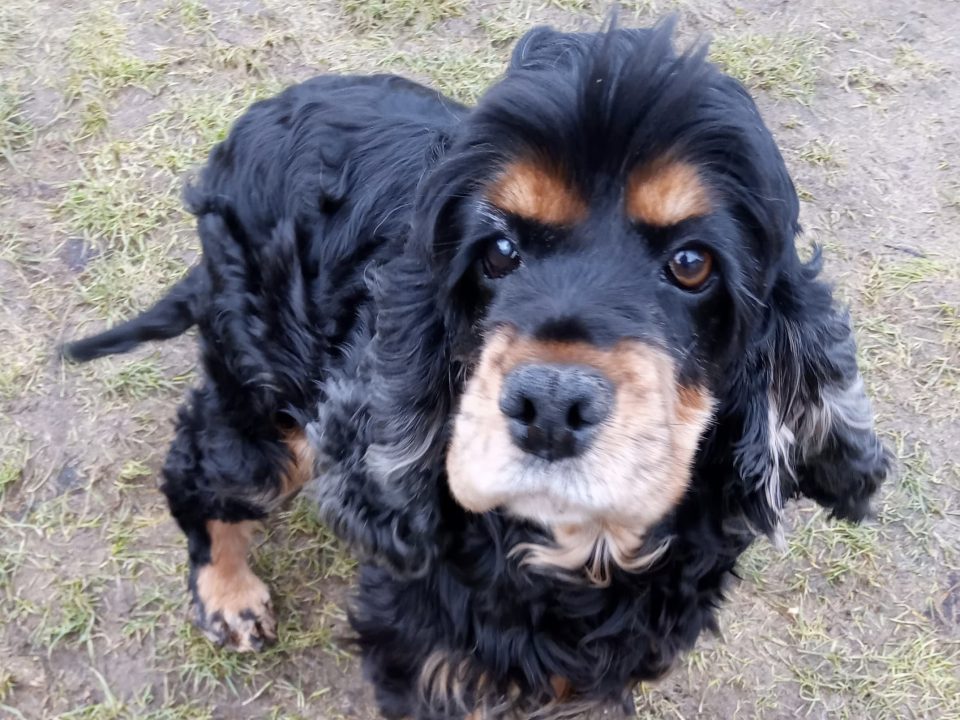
[389, 429]
[807, 421]
[390, 426]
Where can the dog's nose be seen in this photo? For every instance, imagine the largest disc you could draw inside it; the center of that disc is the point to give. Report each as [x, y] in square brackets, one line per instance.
[553, 411]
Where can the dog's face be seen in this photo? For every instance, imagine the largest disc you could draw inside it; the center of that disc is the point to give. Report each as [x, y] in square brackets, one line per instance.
[603, 304]
[606, 278]
[612, 237]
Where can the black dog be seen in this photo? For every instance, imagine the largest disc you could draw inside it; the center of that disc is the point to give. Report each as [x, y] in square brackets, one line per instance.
[552, 361]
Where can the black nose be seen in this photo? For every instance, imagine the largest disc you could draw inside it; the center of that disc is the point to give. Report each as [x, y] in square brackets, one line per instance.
[553, 411]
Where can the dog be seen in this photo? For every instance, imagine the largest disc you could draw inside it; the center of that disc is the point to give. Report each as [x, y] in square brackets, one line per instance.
[548, 365]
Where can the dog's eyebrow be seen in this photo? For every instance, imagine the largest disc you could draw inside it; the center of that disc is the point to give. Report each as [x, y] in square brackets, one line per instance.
[536, 191]
[666, 192]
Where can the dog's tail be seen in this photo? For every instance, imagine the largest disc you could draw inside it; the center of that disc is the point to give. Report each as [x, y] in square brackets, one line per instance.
[172, 315]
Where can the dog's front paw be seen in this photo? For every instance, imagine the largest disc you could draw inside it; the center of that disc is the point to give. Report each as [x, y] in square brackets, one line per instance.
[233, 610]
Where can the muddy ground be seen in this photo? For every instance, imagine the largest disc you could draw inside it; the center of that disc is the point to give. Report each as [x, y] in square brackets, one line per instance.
[103, 108]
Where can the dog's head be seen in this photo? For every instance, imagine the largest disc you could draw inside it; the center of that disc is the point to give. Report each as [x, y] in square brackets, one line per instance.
[602, 273]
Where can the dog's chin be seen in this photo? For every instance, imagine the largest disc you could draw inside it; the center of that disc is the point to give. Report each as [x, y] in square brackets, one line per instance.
[552, 494]
[549, 512]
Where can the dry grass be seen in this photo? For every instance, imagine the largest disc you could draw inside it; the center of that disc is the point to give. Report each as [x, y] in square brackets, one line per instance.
[16, 132]
[784, 65]
[463, 72]
[366, 15]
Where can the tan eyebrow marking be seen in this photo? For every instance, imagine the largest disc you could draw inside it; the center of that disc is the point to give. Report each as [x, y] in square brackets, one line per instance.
[665, 193]
[537, 191]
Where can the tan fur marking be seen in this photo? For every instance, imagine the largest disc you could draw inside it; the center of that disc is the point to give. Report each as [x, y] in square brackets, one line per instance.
[299, 471]
[601, 505]
[537, 192]
[665, 193]
[227, 587]
[561, 687]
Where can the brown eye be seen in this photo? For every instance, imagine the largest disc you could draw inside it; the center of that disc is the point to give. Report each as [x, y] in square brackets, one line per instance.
[500, 258]
[691, 267]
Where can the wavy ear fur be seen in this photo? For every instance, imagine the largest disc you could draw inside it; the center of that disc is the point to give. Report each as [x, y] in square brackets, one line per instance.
[388, 506]
[807, 421]
[402, 408]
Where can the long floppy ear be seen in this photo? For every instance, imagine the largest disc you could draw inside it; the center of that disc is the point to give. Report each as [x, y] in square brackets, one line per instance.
[807, 421]
[389, 428]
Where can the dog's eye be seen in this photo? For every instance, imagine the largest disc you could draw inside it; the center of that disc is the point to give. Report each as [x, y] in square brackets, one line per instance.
[691, 267]
[500, 258]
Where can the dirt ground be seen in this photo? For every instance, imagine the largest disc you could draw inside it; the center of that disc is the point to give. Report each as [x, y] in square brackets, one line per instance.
[103, 108]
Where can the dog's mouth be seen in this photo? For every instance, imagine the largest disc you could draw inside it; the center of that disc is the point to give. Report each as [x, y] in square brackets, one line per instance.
[581, 440]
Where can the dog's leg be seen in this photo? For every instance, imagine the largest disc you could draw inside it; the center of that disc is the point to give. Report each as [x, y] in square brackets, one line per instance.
[231, 604]
[220, 482]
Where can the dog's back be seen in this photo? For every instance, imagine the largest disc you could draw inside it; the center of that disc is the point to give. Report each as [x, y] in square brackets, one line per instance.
[291, 208]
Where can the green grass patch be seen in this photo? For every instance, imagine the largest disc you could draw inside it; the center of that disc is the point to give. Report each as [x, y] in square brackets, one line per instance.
[366, 15]
[913, 676]
[13, 20]
[191, 15]
[124, 282]
[786, 66]
[888, 280]
[819, 153]
[882, 346]
[139, 379]
[868, 82]
[201, 666]
[94, 118]
[100, 60]
[69, 616]
[463, 73]
[837, 550]
[16, 132]
[7, 683]
[948, 319]
[11, 469]
[192, 124]
[120, 198]
[301, 551]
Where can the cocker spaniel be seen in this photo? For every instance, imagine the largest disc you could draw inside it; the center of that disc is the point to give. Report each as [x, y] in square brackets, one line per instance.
[548, 364]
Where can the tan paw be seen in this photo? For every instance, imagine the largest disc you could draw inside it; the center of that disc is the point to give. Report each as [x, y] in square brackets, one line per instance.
[234, 610]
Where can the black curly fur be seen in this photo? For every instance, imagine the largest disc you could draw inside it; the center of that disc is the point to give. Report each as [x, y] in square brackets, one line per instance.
[338, 293]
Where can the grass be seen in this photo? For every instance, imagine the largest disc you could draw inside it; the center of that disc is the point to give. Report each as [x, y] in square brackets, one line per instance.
[7, 683]
[873, 85]
[193, 123]
[823, 154]
[119, 199]
[16, 132]
[71, 618]
[366, 15]
[786, 66]
[836, 551]
[920, 68]
[912, 676]
[121, 283]
[464, 73]
[22, 356]
[191, 15]
[888, 280]
[101, 60]
[139, 379]
[11, 468]
[318, 554]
